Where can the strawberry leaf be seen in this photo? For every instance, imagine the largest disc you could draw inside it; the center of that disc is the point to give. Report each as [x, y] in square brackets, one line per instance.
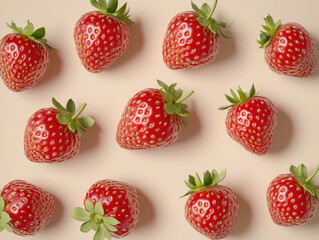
[270, 30]
[80, 214]
[86, 227]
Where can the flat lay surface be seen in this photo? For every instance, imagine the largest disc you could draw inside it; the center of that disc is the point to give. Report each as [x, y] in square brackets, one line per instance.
[204, 144]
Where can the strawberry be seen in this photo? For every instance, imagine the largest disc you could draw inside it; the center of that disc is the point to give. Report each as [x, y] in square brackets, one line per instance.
[55, 134]
[102, 36]
[289, 48]
[251, 120]
[25, 209]
[152, 118]
[111, 209]
[211, 209]
[192, 38]
[24, 57]
[293, 198]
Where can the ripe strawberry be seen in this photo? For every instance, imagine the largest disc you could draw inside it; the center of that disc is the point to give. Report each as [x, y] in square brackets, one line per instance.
[25, 209]
[192, 38]
[251, 120]
[289, 48]
[111, 209]
[102, 36]
[211, 209]
[55, 134]
[152, 118]
[24, 57]
[292, 198]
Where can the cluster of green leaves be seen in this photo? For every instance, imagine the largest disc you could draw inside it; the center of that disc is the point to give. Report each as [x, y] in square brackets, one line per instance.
[270, 30]
[242, 97]
[110, 8]
[4, 217]
[94, 218]
[69, 117]
[28, 31]
[300, 173]
[174, 100]
[211, 179]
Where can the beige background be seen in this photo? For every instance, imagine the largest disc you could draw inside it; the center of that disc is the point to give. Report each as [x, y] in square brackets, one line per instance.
[159, 174]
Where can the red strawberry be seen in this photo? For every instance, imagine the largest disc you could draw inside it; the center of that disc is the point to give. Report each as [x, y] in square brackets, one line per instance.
[292, 198]
[111, 209]
[192, 38]
[24, 57]
[251, 120]
[289, 48]
[55, 134]
[25, 209]
[152, 118]
[211, 209]
[102, 36]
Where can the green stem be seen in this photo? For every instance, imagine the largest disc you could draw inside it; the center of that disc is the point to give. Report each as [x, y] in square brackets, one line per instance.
[312, 175]
[185, 97]
[79, 112]
[213, 9]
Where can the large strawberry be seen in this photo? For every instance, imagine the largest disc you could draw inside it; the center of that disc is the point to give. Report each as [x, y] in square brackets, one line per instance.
[251, 120]
[192, 38]
[152, 118]
[211, 209]
[289, 48]
[293, 198]
[102, 36]
[24, 57]
[25, 209]
[54, 134]
[111, 209]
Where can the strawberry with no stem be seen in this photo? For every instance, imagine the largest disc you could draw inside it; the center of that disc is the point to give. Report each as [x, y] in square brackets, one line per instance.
[111, 209]
[289, 48]
[55, 134]
[293, 198]
[24, 57]
[102, 36]
[25, 209]
[152, 118]
[192, 38]
[251, 120]
[211, 209]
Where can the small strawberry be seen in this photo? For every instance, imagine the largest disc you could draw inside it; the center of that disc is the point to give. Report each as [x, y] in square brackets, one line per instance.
[55, 134]
[293, 198]
[251, 120]
[152, 118]
[289, 48]
[24, 57]
[25, 209]
[102, 36]
[211, 209]
[192, 38]
[111, 209]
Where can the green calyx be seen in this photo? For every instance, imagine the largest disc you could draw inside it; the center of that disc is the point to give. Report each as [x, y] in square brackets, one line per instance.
[4, 217]
[28, 31]
[93, 218]
[69, 117]
[211, 180]
[270, 30]
[110, 8]
[242, 97]
[300, 173]
[174, 100]
[205, 18]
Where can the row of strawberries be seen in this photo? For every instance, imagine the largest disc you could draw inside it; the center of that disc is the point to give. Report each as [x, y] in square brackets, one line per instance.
[152, 118]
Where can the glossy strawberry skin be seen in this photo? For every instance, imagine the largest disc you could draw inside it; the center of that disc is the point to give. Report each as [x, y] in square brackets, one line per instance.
[253, 123]
[30, 207]
[212, 212]
[288, 203]
[48, 141]
[187, 44]
[292, 52]
[119, 200]
[145, 124]
[100, 39]
[23, 62]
